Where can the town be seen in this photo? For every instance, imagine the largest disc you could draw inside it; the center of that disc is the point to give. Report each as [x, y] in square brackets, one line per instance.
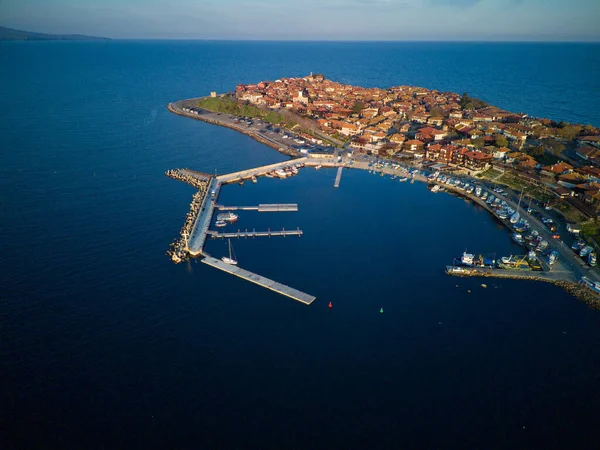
[556, 163]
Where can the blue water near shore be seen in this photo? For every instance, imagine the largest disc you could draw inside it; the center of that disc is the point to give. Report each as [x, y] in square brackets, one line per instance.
[107, 344]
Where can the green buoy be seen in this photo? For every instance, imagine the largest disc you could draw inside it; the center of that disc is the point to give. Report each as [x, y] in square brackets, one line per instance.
[381, 310]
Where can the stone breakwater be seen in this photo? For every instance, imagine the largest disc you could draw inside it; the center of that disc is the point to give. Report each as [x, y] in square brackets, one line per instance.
[178, 250]
[212, 120]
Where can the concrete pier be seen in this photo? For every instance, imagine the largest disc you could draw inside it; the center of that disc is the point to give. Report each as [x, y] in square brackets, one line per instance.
[258, 171]
[276, 207]
[197, 238]
[338, 177]
[261, 281]
[268, 233]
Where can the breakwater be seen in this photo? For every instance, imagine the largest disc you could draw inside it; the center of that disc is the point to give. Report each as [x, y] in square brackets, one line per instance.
[212, 118]
[178, 250]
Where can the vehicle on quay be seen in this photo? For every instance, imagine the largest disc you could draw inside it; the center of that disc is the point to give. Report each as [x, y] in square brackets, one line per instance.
[231, 259]
[518, 238]
[585, 251]
[227, 217]
[594, 285]
[592, 259]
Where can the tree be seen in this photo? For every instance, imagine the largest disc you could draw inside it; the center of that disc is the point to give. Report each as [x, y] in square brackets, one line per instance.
[536, 151]
[436, 111]
[501, 141]
[555, 147]
[467, 102]
[358, 107]
[478, 142]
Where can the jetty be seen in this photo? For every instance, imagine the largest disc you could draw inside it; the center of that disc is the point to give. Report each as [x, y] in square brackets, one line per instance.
[275, 207]
[247, 234]
[247, 174]
[338, 177]
[260, 280]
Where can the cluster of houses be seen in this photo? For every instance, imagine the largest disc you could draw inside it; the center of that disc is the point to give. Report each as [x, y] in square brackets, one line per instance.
[430, 125]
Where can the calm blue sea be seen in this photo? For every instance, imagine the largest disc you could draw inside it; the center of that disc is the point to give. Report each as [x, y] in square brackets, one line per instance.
[107, 344]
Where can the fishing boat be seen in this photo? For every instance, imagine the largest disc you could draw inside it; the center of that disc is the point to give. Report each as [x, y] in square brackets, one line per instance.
[435, 188]
[592, 259]
[552, 257]
[543, 245]
[269, 174]
[220, 223]
[294, 170]
[467, 259]
[227, 217]
[517, 238]
[254, 178]
[241, 182]
[318, 167]
[402, 179]
[478, 191]
[594, 285]
[484, 196]
[503, 214]
[280, 173]
[578, 245]
[231, 259]
[585, 251]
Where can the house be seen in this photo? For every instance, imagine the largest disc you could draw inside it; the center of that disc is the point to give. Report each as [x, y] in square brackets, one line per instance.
[349, 129]
[476, 160]
[413, 146]
[556, 169]
[589, 140]
[500, 153]
[587, 153]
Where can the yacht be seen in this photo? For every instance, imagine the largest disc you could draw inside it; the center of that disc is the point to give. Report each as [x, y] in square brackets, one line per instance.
[231, 259]
[517, 238]
[227, 217]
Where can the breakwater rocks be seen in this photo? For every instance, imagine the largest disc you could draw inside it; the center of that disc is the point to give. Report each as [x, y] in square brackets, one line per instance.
[577, 290]
[199, 180]
[178, 250]
[283, 150]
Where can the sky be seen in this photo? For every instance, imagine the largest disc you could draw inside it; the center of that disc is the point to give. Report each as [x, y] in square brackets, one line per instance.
[390, 20]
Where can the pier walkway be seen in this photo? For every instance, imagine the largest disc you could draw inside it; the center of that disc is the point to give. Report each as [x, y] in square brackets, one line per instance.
[338, 177]
[253, 233]
[276, 207]
[197, 238]
[261, 281]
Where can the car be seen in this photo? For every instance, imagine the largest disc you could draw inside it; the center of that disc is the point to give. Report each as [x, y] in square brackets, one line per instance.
[555, 236]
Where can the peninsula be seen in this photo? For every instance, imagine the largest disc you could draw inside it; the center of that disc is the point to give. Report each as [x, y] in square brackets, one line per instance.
[497, 158]
[9, 34]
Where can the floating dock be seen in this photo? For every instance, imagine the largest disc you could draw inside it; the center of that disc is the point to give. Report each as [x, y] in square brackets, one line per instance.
[338, 177]
[261, 281]
[253, 233]
[276, 207]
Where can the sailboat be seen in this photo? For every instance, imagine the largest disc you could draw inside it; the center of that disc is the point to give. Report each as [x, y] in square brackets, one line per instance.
[231, 260]
[516, 217]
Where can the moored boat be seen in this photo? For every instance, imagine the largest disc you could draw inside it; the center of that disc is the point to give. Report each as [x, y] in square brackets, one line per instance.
[592, 259]
[220, 223]
[585, 251]
[517, 238]
[231, 259]
[467, 259]
[227, 217]
[552, 257]
[594, 285]
[254, 178]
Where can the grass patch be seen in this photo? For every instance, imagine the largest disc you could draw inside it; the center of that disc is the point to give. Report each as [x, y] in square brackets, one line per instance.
[591, 229]
[529, 189]
[571, 213]
[228, 105]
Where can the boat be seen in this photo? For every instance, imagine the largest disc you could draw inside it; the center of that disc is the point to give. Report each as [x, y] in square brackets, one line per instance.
[594, 285]
[484, 196]
[231, 259]
[467, 259]
[402, 179]
[515, 217]
[280, 173]
[552, 257]
[503, 214]
[254, 178]
[269, 174]
[435, 188]
[543, 245]
[478, 191]
[318, 167]
[412, 181]
[241, 182]
[585, 251]
[220, 223]
[592, 259]
[457, 270]
[470, 190]
[517, 238]
[227, 217]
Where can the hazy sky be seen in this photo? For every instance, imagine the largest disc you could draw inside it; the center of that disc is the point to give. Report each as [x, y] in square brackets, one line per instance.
[311, 19]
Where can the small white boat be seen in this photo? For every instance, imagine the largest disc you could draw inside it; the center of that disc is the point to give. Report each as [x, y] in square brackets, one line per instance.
[592, 259]
[318, 167]
[517, 238]
[585, 251]
[231, 259]
[435, 188]
[220, 223]
[467, 259]
[254, 178]
[280, 173]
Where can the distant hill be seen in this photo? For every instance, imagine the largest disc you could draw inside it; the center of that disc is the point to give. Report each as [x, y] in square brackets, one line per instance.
[8, 34]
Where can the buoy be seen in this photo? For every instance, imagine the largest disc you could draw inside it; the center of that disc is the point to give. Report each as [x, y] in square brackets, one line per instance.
[381, 310]
[330, 305]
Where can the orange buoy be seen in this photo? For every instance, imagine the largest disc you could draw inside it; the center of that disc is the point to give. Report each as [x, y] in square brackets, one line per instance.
[330, 305]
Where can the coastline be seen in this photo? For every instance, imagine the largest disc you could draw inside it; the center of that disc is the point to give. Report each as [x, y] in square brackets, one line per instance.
[177, 108]
[570, 283]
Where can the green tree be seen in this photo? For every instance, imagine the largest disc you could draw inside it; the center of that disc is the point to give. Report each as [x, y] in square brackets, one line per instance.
[436, 111]
[536, 151]
[478, 142]
[501, 141]
[555, 147]
[358, 107]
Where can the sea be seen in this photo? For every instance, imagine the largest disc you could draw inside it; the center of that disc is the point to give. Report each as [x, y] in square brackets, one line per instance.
[105, 343]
